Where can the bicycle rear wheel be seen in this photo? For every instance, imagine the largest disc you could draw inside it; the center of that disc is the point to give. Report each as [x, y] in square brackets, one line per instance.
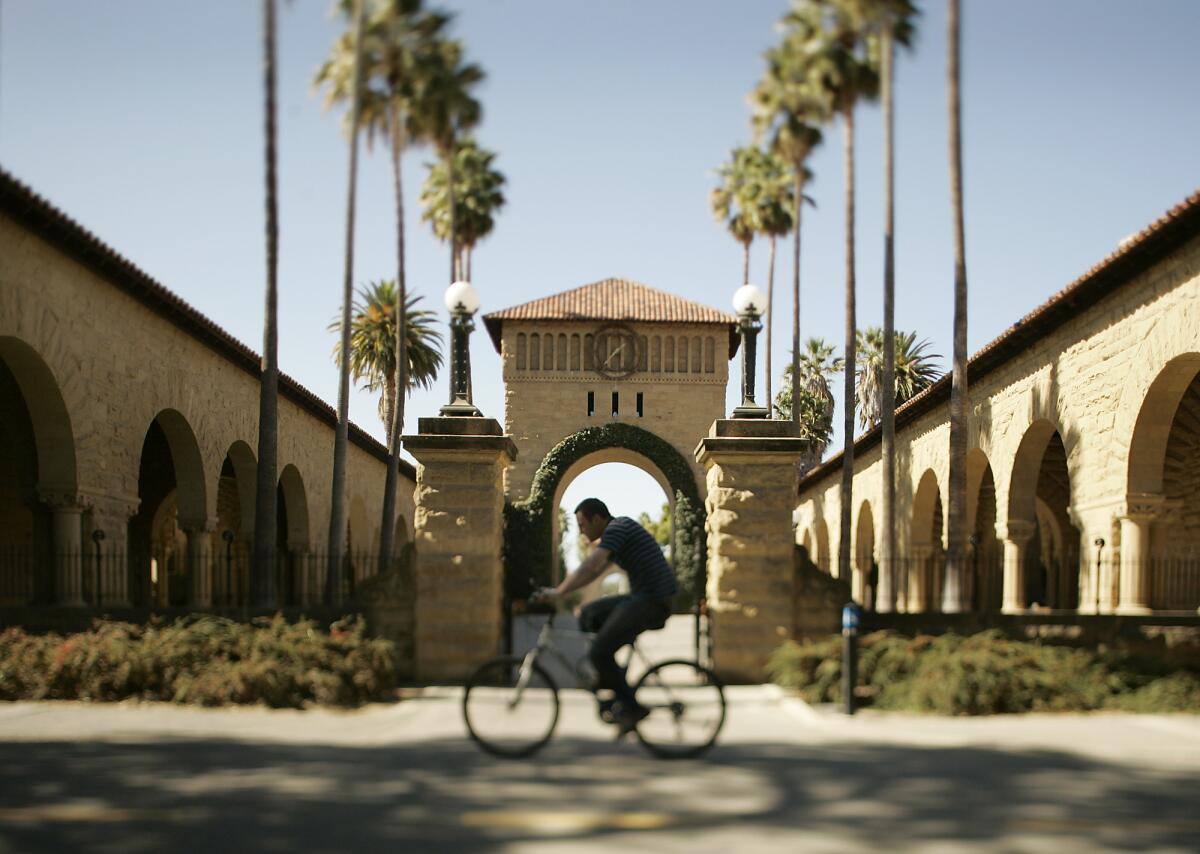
[509, 714]
[687, 709]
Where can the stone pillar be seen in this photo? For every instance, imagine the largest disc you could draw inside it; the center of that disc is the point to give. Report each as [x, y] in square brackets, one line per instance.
[1134, 595]
[66, 509]
[1018, 533]
[200, 562]
[751, 476]
[459, 539]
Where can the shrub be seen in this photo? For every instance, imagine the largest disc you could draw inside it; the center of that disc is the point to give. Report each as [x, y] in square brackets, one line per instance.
[988, 673]
[201, 660]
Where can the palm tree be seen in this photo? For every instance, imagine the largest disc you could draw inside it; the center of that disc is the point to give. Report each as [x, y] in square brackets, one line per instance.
[843, 74]
[775, 219]
[734, 202]
[337, 509]
[397, 44]
[913, 371]
[478, 197]
[814, 413]
[265, 494]
[372, 336]
[446, 110]
[953, 595]
[787, 109]
[887, 22]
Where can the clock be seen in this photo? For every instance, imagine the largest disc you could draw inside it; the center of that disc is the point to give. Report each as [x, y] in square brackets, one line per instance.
[615, 352]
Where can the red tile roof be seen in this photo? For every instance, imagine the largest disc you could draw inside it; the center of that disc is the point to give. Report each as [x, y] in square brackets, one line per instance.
[613, 299]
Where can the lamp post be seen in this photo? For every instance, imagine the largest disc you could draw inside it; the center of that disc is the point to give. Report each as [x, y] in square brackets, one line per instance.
[463, 302]
[1099, 544]
[749, 302]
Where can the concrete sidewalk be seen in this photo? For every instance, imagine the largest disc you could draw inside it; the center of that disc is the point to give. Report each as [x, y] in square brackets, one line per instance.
[785, 777]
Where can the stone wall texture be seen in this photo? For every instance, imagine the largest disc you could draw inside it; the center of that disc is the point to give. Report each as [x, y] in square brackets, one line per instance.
[1103, 383]
[97, 367]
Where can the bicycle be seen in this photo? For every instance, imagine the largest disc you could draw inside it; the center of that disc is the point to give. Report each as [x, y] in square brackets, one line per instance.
[511, 703]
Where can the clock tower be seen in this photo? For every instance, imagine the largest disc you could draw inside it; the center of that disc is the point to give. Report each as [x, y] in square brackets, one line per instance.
[611, 351]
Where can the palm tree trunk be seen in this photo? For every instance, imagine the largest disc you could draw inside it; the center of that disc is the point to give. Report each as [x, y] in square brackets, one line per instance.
[886, 598]
[468, 252]
[797, 200]
[265, 495]
[953, 599]
[770, 302]
[847, 487]
[399, 385]
[337, 501]
[746, 263]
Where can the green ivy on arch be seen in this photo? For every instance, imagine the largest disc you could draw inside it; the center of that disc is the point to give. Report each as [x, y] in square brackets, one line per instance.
[529, 523]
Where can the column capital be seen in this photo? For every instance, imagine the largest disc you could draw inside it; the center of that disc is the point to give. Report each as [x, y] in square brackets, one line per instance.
[208, 525]
[1141, 506]
[63, 499]
[1018, 531]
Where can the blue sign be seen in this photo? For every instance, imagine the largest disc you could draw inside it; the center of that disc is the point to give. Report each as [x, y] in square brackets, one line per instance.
[850, 618]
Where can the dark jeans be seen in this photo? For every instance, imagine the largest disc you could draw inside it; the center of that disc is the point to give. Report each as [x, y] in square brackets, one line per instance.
[617, 621]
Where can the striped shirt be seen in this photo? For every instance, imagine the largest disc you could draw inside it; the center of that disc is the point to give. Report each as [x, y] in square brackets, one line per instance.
[636, 552]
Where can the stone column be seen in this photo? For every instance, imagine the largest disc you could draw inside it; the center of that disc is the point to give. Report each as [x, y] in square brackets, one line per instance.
[751, 476]
[1017, 534]
[66, 509]
[1140, 511]
[459, 539]
[200, 562]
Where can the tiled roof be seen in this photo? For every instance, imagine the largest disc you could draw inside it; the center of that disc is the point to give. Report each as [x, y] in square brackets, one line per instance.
[613, 299]
[1132, 257]
[56, 228]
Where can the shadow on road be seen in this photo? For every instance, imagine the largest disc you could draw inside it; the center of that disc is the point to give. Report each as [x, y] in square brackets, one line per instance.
[213, 795]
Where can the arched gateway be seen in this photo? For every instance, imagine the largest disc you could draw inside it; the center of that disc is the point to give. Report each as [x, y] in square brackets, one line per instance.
[609, 371]
[610, 367]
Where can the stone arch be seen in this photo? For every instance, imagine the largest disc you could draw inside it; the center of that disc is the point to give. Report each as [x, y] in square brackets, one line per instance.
[245, 472]
[986, 553]
[172, 495]
[922, 586]
[529, 528]
[822, 541]
[1041, 474]
[53, 435]
[927, 504]
[295, 500]
[865, 573]
[1152, 428]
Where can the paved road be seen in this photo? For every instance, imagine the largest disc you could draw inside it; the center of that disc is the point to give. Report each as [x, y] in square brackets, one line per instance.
[403, 778]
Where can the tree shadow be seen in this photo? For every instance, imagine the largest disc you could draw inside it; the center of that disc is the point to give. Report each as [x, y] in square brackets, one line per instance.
[212, 794]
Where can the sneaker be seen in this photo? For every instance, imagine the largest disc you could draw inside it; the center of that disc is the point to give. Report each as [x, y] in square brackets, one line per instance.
[627, 719]
[605, 710]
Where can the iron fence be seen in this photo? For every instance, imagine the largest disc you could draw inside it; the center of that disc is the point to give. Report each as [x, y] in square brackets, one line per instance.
[172, 578]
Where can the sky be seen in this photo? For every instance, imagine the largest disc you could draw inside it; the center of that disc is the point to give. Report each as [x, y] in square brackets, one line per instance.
[142, 119]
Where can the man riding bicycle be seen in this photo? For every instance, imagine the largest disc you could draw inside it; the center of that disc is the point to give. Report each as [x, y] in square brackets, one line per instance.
[618, 620]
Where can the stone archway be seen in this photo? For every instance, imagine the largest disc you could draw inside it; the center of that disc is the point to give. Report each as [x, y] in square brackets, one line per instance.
[925, 537]
[40, 510]
[529, 531]
[866, 571]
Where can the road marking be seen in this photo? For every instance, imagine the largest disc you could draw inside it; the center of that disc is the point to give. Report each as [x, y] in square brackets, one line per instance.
[558, 821]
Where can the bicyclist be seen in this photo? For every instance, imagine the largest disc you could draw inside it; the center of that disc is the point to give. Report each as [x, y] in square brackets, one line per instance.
[618, 620]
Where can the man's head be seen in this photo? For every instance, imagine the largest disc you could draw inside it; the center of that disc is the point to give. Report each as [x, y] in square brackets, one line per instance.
[593, 517]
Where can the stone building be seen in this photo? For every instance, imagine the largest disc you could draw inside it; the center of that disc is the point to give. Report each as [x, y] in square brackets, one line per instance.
[1083, 471]
[126, 414]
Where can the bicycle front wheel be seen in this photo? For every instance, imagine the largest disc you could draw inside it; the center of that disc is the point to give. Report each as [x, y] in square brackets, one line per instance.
[686, 704]
[510, 709]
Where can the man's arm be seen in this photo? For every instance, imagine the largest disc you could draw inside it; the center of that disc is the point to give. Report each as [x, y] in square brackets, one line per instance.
[587, 572]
